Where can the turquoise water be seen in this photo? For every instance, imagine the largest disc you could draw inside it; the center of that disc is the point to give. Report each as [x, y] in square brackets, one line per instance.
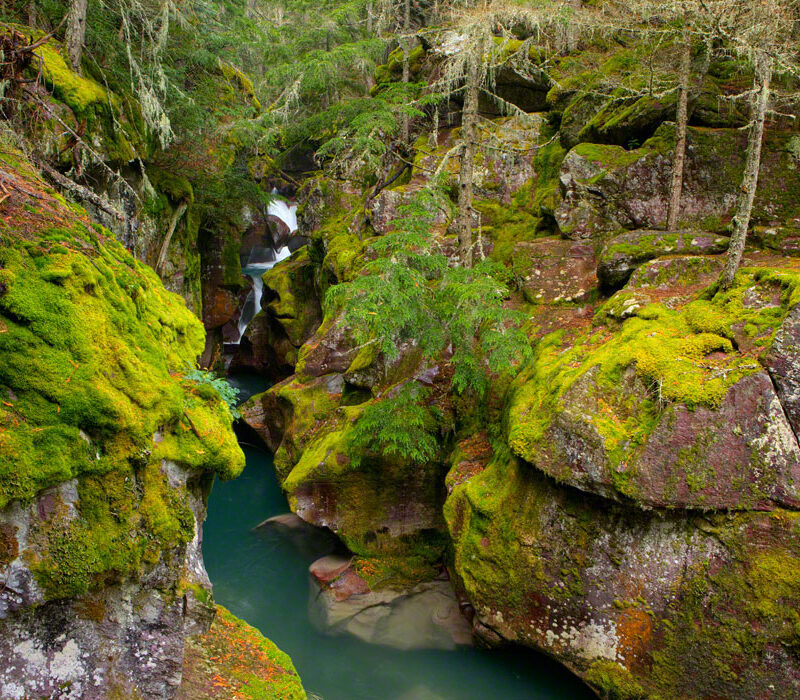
[263, 578]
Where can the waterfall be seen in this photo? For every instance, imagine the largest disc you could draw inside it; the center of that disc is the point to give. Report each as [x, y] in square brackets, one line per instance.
[261, 260]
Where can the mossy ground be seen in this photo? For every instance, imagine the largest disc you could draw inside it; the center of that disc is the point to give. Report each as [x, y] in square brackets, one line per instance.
[233, 661]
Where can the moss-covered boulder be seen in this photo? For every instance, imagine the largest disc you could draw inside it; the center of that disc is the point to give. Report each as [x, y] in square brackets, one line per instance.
[554, 270]
[234, 660]
[107, 453]
[379, 506]
[291, 299]
[602, 94]
[672, 407]
[606, 188]
[624, 253]
[641, 604]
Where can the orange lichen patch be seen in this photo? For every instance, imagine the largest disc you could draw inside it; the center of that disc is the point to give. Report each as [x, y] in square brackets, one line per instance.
[634, 630]
[233, 661]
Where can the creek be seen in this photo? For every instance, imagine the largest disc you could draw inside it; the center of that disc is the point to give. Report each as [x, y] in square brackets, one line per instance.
[262, 577]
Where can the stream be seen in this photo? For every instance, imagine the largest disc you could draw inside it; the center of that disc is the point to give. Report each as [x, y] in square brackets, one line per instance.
[263, 578]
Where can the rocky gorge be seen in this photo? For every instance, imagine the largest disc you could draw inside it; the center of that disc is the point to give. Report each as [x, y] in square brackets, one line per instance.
[623, 494]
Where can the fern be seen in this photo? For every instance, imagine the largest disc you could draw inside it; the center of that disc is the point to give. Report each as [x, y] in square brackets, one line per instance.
[400, 426]
[226, 392]
[410, 293]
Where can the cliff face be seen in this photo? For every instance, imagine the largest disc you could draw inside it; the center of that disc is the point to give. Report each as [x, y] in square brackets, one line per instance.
[107, 455]
[629, 502]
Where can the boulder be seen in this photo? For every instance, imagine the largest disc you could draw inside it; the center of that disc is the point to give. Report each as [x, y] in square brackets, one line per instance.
[291, 297]
[639, 603]
[784, 240]
[625, 252]
[265, 348]
[656, 406]
[783, 364]
[606, 188]
[555, 270]
[387, 206]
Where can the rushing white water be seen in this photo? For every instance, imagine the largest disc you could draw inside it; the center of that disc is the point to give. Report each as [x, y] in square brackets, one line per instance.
[285, 212]
[255, 268]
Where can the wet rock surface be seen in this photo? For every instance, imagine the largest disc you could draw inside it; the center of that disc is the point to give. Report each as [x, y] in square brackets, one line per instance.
[426, 616]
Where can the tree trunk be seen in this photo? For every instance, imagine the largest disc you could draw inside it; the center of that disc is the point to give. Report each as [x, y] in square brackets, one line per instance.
[173, 224]
[682, 123]
[571, 37]
[369, 19]
[406, 125]
[467, 171]
[31, 13]
[682, 126]
[76, 32]
[744, 207]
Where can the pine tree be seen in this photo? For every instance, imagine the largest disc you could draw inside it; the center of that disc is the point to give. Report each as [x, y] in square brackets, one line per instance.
[410, 293]
[767, 35]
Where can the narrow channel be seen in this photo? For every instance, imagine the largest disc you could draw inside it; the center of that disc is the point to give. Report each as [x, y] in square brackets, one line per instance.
[263, 578]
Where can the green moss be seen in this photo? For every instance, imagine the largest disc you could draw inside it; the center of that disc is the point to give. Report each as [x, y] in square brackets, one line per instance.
[614, 682]
[92, 348]
[364, 358]
[608, 156]
[392, 70]
[296, 305]
[258, 670]
[240, 80]
[400, 571]
[176, 187]
[716, 635]
[683, 356]
[81, 94]
[98, 112]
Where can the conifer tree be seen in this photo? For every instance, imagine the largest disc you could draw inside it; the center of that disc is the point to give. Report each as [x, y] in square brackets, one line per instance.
[767, 35]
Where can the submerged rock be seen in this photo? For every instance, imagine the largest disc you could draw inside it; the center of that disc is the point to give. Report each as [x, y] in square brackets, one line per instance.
[312, 542]
[426, 616]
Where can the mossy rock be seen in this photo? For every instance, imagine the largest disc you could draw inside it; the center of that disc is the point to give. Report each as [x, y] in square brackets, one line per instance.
[640, 604]
[392, 70]
[290, 288]
[91, 384]
[624, 253]
[258, 671]
[606, 189]
[662, 409]
[110, 122]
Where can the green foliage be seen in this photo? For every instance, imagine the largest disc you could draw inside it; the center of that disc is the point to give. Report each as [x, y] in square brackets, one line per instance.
[409, 293]
[399, 426]
[205, 379]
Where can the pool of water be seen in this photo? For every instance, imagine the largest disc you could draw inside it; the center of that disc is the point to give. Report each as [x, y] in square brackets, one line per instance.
[263, 578]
